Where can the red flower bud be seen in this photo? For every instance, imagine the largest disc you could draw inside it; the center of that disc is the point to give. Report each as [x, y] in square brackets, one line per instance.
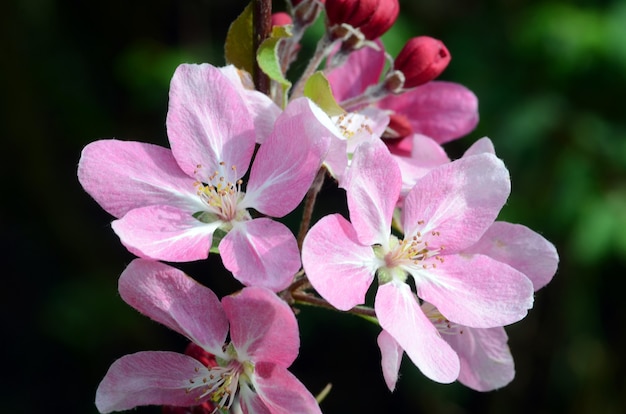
[281, 19]
[372, 17]
[421, 60]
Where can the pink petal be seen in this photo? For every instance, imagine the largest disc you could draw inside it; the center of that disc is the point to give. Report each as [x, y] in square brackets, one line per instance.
[475, 290]
[486, 361]
[401, 316]
[441, 110]
[165, 233]
[261, 107]
[372, 184]
[455, 203]
[123, 175]
[250, 402]
[362, 69]
[208, 123]
[338, 266]
[172, 298]
[261, 252]
[282, 392]
[262, 326]
[149, 378]
[289, 159]
[483, 145]
[521, 248]
[391, 357]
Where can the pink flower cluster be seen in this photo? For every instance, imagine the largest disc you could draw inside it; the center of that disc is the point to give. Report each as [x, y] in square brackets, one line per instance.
[423, 229]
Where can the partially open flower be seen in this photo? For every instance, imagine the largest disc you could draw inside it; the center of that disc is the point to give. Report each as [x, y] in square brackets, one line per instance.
[372, 17]
[421, 60]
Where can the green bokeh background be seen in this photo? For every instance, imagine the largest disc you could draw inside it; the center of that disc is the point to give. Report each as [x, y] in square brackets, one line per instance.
[551, 80]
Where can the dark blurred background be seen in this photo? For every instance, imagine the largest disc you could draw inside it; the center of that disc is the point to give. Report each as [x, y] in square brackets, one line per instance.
[551, 80]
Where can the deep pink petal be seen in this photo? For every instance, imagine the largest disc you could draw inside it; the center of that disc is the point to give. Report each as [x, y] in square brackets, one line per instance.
[338, 266]
[474, 290]
[289, 159]
[400, 315]
[261, 107]
[149, 378]
[172, 298]
[441, 110]
[208, 123]
[262, 326]
[165, 233]
[454, 204]
[521, 248]
[261, 252]
[486, 361]
[282, 392]
[362, 69]
[372, 184]
[123, 175]
[391, 357]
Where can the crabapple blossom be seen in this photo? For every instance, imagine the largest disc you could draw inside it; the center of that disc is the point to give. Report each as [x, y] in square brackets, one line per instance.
[250, 369]
[170, 203]
[447, 211]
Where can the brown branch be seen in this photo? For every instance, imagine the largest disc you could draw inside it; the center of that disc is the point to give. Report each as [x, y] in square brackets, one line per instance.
[262, 26]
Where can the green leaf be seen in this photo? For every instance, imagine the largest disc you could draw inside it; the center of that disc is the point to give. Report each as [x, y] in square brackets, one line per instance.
[317, 89]
[239, 41]
[269, 59]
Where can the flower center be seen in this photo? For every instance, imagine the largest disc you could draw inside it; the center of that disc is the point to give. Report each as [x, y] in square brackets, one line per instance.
[220, 195]
[220, 384]
[351, 124]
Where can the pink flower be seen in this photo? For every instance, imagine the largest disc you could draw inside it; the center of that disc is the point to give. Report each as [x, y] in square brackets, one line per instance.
[441, 110]
[170, 203]
[448, 210]
[252, 366]
[485, 359]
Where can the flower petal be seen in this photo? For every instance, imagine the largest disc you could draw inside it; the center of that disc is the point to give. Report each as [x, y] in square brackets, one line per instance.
[455, 203]
[338, 266]
[486, 361]
[262, 326]
[172, 298]
[208, 123]
[289, 159]
[401, 316]
[475, 290]
[483, 145]
[521, 248]
[360, 70]
[441, 110]
[261, 107]
[391, 357]
[149, 378]
[261, 252]
[372, 184]
[165, 233]
[282, 392]
[123, 175]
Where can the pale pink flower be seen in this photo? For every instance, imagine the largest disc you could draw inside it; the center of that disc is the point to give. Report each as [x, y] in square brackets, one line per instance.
[441, 110]
[486, 362]
[262, 343]
[169, 203]
[447, 211]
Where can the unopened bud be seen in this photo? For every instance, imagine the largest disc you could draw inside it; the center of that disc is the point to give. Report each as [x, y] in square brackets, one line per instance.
[398, 127]
[371, 17]
[281, 19]
[421, 60]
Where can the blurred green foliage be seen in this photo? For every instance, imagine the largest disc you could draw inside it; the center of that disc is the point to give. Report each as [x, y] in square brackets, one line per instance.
[550, 77]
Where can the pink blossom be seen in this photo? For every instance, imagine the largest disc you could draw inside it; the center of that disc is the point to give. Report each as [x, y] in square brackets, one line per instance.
[169, 203]
[441, 110]
[485, 359]
[251, 369]
[448, 210]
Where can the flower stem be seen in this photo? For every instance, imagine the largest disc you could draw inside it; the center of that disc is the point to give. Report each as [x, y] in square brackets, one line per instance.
[262, 26]
[303, 298]
[309, 204]
[321, 51]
